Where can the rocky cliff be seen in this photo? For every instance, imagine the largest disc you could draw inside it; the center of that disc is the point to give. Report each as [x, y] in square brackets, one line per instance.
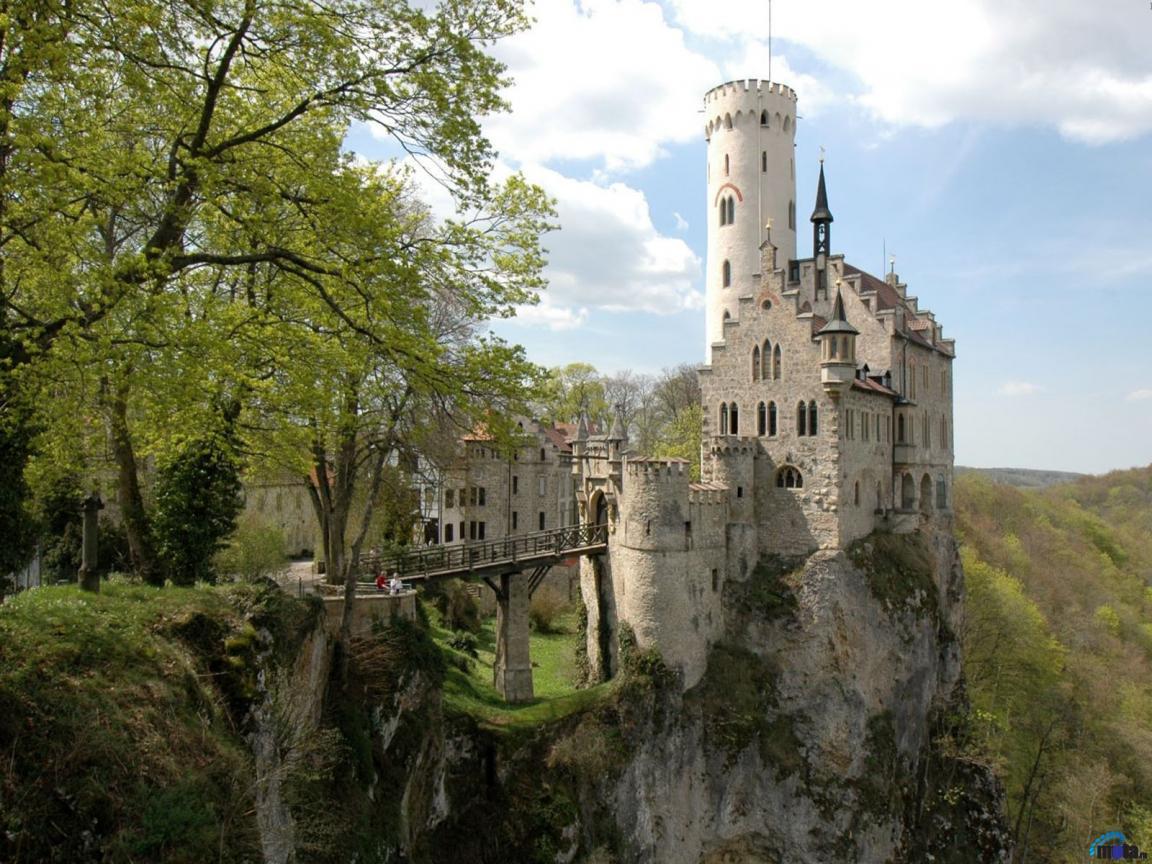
[830, 726]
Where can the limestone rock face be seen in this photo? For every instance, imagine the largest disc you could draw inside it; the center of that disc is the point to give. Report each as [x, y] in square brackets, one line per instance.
[815, 733]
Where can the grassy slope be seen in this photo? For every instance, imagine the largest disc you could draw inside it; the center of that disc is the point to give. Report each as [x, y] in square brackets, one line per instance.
[1059, 653]
[118, 736]
[553, 677]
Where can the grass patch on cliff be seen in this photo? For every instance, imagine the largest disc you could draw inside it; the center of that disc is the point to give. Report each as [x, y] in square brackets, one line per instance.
[469, 688]
[769, 593]
[899, 569]
[118, 721]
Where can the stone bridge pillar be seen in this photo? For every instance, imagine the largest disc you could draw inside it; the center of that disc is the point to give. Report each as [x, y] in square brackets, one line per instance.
[513, 666]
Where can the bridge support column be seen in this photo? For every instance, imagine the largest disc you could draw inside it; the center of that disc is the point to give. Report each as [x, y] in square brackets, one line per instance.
[513, 666]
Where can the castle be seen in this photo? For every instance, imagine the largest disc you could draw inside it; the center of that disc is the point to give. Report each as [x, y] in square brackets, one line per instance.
[827, 397]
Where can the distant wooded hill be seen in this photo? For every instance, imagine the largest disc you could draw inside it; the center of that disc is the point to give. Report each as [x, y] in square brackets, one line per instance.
[1022, 478]
[1058, 653]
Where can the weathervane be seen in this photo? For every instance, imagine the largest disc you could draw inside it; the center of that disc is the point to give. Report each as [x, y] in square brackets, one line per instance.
[821, 154]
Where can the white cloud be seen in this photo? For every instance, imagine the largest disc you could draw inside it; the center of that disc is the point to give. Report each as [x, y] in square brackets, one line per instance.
[606, 80]
[1074, 65]
[681, 222]
[608, 255]
[555, 318]
[1139, 395]
[1019, 388]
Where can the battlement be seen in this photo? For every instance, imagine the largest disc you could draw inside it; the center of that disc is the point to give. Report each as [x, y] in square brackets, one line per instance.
[731, 445]
[707, 493]
[749, 88]
[652, 468]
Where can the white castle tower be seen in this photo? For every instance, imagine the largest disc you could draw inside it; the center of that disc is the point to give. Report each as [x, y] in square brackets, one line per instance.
[750, 129]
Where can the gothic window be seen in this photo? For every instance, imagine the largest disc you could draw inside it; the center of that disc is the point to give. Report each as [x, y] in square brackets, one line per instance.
[724, 211]
[941, 493]
[787, 123]
[766, 361]
[789, 478]
[734, 419]
[912, 380]
[481, 496]
[801, 420]
[723, 418]
[761, 419]
[771, 419]
[927, 431]
[776, 362]
[727, 315]
[726, 274]
[907, 493]
[731, 210]
[756, 363]
[812, 418]
[900, 429]
[792, 215]
[763, 118]
[727, 121]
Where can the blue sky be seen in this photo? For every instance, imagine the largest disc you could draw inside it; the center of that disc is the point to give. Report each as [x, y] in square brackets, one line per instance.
[1002, 151]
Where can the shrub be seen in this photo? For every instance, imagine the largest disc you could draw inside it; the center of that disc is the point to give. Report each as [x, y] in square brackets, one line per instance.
[464, 641]
[544, 611]
[457, 606]
[256, 551]
[197, 502]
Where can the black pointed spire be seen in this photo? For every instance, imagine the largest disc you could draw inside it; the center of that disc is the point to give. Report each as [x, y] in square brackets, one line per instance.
[838, 322]
[822, 213]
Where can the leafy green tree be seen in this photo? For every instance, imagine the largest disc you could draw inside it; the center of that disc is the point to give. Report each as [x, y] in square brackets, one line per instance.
[197, 501]
[571, 390]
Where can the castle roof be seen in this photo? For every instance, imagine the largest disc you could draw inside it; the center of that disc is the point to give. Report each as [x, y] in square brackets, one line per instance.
[838, 324]
[887, 297]
[871, 385]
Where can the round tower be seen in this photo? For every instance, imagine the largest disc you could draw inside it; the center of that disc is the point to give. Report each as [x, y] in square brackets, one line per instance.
[750, 127]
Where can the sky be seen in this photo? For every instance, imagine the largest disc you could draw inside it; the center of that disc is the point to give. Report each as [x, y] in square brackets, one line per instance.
[1001, 150]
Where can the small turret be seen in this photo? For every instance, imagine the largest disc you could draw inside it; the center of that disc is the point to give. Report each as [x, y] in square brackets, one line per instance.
[580, 442]
[837, 350]
[617, 437]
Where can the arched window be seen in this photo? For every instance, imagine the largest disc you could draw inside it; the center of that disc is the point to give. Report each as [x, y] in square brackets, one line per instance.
[731, 210]
[763, 118]
[756, 363]
[725, 164]
[726, 274]
[900, 429]
[789, 478]
[776, 362]
[925, 495]
[734, 419]
[766, 361]
[856, 494]
[801, 419]
[761, 419]
[941, 493]
[727, 121]
[771, 419]
[763, 161]
[812, 418]
[792, 215]
[907, 493]
[787, 123]
[723, 418]
[727, 315]
[944, 432]
[723, 212]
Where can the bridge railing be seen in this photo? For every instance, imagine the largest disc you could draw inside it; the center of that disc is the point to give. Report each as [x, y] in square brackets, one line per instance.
[467, 556]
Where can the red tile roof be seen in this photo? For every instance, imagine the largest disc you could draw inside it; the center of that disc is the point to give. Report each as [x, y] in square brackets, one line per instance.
[868, 385]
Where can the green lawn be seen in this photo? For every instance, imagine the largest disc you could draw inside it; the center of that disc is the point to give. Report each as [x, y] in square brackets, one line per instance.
[553, 677]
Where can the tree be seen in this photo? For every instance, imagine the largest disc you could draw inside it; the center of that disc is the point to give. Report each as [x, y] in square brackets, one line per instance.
[181, 228]
[198, 497]
[574, 389]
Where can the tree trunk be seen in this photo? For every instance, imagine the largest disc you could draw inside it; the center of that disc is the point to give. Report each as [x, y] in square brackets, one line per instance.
[136, 523]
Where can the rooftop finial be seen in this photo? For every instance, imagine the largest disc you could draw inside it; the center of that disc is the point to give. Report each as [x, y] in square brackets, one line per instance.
[821, 154]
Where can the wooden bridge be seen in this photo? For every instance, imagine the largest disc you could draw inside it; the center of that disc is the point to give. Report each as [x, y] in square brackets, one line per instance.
[492, 557]
[513, 568]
